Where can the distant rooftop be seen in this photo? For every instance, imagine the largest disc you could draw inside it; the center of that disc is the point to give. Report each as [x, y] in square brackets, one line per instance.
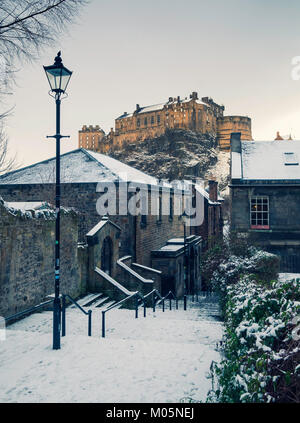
[160, 106]
[267, 160]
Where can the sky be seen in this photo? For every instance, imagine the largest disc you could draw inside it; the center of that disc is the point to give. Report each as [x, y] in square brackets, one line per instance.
[128, 52]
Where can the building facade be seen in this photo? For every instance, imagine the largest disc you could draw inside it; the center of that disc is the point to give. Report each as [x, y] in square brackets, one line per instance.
[203, 116]
[91, 137]
[265, 196]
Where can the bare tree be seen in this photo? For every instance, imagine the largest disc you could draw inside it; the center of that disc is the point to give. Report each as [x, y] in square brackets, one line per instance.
[25, 27]
[6, 163]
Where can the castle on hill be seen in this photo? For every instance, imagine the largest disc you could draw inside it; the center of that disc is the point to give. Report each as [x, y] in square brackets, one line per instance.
[202, 116]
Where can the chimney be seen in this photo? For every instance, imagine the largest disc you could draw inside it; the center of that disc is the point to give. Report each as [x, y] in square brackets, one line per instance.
[213, 190]
[235, 142]
[194, 95]
[178, 99]
[170, 99]
[278, 137]
[137, 107]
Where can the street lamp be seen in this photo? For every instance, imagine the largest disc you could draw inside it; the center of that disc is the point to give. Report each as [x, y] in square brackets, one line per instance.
[58, 77]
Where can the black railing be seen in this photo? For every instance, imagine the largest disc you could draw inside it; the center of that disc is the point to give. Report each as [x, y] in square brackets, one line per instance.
[156, 299]
[87, 313]
[138, 296]
[135, 294]
[169, 295]
[142, 298]
[27, 311]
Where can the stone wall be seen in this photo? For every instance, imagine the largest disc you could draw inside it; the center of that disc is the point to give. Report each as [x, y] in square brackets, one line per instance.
[80, 196]
[27, 257]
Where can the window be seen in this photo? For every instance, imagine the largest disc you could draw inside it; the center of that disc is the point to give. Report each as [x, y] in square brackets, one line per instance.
[260, 212]
[138, 123]
[152, 120]
[158, 119]
[291, 159]
[145, 121]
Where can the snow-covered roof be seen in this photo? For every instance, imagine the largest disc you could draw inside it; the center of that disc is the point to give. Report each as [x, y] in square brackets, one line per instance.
[266, 160]
[145, 109]
[160, 106]
[78, 166]
[100, 225]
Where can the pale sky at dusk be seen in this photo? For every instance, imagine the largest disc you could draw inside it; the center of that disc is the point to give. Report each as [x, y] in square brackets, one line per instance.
[124, 52]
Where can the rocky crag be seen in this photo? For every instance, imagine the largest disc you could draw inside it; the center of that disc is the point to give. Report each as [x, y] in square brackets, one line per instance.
[178, 154]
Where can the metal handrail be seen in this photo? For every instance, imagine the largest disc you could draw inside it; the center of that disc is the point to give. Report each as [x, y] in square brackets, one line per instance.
[162, 300]
[27, 311]
[87, 313]
[138, 295]
[170, 299]
[114, 306]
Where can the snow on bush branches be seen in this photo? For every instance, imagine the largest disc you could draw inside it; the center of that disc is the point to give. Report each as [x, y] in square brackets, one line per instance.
[261, 354]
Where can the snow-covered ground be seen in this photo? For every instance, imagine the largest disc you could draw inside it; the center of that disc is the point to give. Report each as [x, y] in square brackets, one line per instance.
[288, 276]
[164, 357]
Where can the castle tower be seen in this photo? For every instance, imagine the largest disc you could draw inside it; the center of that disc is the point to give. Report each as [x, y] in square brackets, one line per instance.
[228, 124]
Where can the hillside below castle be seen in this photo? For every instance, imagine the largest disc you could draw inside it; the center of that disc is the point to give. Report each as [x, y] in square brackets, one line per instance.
[178, 154]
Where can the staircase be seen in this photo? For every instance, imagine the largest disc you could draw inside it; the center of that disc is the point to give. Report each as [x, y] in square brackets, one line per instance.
[164, 357]
[94, 301]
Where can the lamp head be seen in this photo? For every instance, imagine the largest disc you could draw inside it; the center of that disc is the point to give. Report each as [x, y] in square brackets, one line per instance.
[58, 75]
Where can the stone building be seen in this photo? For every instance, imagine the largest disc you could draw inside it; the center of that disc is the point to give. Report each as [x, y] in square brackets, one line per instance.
[203, 116]
[265, 196]
[91, 137]
[122, 236]
[212, 227]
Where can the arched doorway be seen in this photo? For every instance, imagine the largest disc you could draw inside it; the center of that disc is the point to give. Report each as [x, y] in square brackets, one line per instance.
[106, 255]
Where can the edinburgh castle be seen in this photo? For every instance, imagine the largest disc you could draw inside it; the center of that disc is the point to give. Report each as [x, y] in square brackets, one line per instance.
[202, 116]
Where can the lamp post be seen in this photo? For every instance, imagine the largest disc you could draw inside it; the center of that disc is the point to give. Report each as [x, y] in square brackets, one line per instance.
[58, 78]
[186, 259]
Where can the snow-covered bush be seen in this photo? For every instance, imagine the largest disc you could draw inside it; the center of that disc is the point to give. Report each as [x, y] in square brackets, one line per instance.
[261, 265]
[262, 354]
[232, 257]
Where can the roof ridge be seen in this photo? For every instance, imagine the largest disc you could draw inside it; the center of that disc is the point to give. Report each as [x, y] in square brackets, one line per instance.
[38, 163]
[99, 163]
